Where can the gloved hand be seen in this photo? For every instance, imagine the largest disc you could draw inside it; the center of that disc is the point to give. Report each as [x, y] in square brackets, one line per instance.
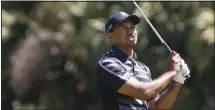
[183, 74]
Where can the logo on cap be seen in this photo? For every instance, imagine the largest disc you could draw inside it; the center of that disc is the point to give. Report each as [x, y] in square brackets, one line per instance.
[123, 14]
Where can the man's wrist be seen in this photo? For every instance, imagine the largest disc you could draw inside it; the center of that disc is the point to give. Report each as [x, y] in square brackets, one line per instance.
[173, 72]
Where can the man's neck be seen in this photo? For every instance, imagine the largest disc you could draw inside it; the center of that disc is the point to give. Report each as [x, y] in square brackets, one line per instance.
[128, 51]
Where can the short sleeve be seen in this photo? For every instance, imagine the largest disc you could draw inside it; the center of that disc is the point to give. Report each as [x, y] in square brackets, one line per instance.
[111, 74]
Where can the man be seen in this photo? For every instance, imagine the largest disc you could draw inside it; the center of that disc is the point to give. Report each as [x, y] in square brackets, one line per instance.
[124, 83]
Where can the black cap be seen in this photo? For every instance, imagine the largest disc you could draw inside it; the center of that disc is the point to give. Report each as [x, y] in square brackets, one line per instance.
[118, 18]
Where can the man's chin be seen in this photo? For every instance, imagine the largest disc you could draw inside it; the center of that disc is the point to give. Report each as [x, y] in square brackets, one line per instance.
[131, 45]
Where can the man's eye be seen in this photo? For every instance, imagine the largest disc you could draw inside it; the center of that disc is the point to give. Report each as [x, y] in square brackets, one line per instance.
[133, 26]
[124, 27]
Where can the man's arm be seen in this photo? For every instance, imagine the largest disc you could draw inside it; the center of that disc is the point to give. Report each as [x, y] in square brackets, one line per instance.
[146, 90]
[166, 100]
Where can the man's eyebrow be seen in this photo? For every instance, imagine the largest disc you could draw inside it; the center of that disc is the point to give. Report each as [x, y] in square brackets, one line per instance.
[119, 26]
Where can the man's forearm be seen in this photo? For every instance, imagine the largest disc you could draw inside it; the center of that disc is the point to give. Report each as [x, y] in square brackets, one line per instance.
[167, 99]
[157, 85]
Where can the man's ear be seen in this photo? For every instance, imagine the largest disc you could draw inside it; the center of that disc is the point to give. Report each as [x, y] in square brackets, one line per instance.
[110, 36]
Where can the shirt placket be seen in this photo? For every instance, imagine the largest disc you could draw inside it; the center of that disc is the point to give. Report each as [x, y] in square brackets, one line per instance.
[133, 69]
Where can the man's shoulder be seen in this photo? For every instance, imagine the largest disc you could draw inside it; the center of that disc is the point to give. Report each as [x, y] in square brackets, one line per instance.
[110, 65]
[108, 61]
[109, 56]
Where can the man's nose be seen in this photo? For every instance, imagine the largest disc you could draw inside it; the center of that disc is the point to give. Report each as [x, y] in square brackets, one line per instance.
[130, 29]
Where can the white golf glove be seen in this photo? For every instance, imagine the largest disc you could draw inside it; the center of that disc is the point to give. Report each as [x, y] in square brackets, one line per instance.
[183, 74]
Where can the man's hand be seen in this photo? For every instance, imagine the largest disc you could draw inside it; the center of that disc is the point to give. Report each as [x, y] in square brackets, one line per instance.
[183, 74]
[174, 62]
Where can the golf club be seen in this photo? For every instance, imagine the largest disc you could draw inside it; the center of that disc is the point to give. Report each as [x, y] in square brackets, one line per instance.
[150, 24]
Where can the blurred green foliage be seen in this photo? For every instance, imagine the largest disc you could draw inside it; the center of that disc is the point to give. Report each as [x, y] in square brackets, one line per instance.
[187, 27]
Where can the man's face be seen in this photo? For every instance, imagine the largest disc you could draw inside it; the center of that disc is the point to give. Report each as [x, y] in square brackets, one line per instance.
[124, 35]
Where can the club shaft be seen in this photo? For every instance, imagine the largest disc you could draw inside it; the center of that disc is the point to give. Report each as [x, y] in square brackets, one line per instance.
[150, 24]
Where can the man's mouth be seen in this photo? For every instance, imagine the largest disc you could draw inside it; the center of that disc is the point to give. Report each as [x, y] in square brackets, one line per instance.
[131, 37]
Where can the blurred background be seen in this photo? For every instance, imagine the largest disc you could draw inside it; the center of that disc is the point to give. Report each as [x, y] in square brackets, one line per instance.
[50, 50]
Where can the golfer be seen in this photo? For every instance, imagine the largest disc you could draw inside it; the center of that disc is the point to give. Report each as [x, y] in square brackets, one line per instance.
[125, 83]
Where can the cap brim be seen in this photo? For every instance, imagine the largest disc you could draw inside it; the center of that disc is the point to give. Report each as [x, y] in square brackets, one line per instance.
[135, 19]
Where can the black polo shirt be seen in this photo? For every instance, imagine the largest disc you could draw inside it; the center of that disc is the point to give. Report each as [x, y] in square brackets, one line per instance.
[113, 70]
